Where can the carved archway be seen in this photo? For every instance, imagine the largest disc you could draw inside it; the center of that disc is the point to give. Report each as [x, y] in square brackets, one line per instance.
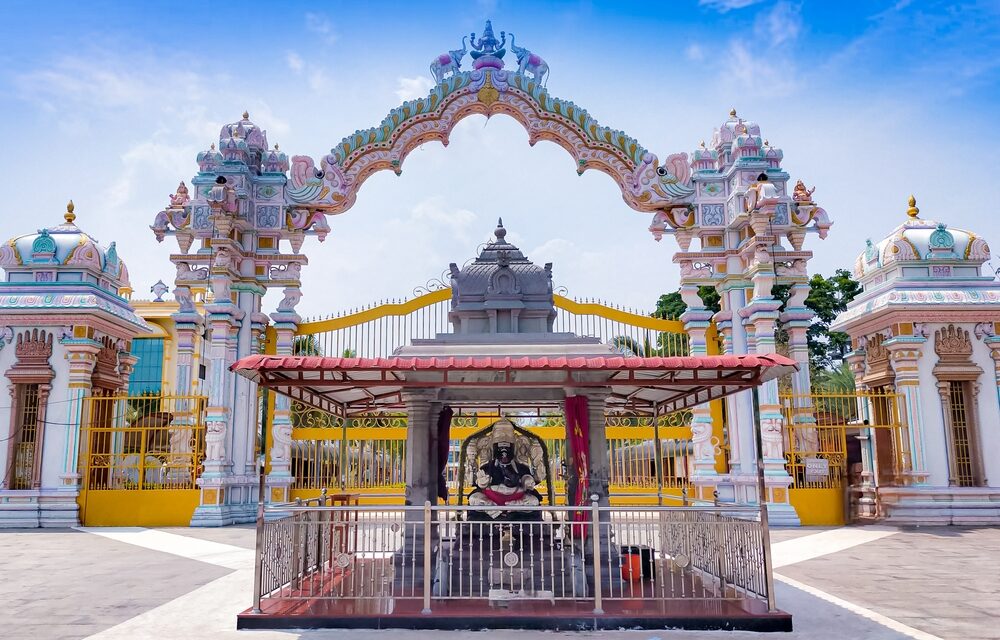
[646, 185]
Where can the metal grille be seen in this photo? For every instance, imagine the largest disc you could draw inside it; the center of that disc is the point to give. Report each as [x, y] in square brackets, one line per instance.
[373, 460]
[143, 442]
[816, 428]
[376, 331]
[26, 437]
[963, 472]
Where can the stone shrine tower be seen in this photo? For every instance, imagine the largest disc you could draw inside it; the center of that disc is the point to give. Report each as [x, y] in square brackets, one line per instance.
[927, 327]
[65, 331]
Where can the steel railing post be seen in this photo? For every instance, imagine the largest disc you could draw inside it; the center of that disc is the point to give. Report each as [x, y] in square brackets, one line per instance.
[258, 552]
[765, 532]
[595, 536]
[427, 557]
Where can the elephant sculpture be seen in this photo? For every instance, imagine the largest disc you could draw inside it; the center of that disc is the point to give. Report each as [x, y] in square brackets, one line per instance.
[528, 61]
[448, 62]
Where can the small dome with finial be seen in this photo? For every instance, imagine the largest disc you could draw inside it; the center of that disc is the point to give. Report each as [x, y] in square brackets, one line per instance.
[923, 245]
[65, 253]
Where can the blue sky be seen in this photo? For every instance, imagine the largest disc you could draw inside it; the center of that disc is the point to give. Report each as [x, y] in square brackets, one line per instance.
[108, 104]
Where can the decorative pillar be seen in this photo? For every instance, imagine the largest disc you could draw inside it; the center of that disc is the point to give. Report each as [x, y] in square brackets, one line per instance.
[421, 419]
[796, 320]
[697, 320]
[904, 353]
[81, 354]
[597, 445]
[280, 479]
[761, 316]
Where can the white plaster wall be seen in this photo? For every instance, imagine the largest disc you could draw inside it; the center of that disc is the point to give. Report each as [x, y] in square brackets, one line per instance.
[6, 361]
[989, 411]
[58, 419]
[932, 415]
[57, 413]
[935, 443]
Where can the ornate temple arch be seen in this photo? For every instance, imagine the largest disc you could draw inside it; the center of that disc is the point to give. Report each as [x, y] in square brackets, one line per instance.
[646, 185]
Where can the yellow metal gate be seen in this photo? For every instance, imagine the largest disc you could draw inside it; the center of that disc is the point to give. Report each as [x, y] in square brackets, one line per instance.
[366, 455]
[141, 456]
[827, 436]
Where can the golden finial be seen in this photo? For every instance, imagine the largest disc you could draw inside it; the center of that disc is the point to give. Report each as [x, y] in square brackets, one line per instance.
[212, 148]
[246, 115]
[69, 216]
[276, 148]
[732, 113]
[702, 144]
[913, 210]
[766, 143]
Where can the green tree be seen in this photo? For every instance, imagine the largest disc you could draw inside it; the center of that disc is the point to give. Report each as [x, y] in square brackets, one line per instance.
[670, 305]
[306, 345]
[827, 298]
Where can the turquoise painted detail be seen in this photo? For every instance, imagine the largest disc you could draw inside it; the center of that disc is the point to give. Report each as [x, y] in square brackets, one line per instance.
[43, 243]
[401, 114]
[593, 131]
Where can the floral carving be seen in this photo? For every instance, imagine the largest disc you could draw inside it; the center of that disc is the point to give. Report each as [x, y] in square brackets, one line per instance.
[952, 341]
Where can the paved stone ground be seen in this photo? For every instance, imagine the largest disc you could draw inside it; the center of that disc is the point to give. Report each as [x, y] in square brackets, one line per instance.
[940, 582]
[943, 580]
[66, 585]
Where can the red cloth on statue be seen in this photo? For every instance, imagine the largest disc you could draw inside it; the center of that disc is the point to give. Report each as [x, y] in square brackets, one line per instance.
[502, 498]
[578, 437]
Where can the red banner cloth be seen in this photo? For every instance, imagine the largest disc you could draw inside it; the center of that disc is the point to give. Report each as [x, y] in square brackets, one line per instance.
[578, 439]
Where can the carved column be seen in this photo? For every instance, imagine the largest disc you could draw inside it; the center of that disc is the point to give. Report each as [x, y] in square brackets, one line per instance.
[280, 477]
[905, 353]
[421, 482]
[762, 317]
[81, 354]
[864, 499]
[697, 320]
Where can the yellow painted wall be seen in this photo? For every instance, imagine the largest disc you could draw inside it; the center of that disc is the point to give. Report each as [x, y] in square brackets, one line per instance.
[818, 507]
[149, 508]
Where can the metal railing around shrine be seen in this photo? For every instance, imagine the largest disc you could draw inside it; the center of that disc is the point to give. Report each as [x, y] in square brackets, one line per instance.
[437, 553]
[378, 330]
[142, 442]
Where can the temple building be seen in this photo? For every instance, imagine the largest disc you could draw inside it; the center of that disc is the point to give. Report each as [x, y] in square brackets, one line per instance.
[66, 331]
[927, 327]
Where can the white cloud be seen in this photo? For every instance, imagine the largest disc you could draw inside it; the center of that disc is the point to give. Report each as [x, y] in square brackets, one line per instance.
[320, 24]
[294, 62]
[694, 52]
[723, 6]
[754, 75]
[413, 88]
[781, 24]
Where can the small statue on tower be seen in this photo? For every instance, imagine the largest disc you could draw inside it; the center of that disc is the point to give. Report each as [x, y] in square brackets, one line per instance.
[801, 194]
